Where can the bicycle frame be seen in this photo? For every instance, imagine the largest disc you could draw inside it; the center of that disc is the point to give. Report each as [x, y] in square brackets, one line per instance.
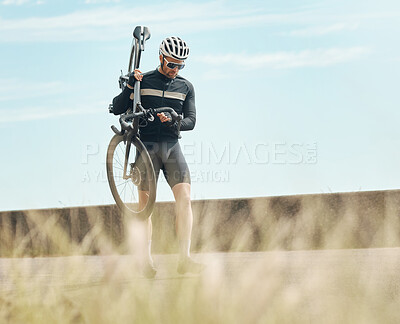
[140, 34]
[129, 131]
[129, 136]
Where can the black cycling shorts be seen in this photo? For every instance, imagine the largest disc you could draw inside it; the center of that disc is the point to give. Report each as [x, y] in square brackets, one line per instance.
[166, 156]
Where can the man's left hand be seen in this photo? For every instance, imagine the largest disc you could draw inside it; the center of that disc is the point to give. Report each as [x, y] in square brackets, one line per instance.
[163, 117]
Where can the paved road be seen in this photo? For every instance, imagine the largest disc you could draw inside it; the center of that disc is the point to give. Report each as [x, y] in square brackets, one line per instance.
[295, 266]
[313, 281]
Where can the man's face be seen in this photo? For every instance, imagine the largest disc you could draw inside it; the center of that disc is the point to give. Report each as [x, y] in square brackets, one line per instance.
[170, 73]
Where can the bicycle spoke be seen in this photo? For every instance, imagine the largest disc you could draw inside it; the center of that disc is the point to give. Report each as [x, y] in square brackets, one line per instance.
[120, 167]
[123, 190]
[123, 187]
[118, 159]
[122, 183]
[121, 149]
[117, 153]
[133, 194]
[127, 194]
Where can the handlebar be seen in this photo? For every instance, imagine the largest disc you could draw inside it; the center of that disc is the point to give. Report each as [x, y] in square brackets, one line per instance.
[175, 116]
[140, 34]
[146, 113]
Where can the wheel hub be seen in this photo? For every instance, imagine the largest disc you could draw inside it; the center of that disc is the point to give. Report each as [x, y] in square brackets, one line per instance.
[135, 175]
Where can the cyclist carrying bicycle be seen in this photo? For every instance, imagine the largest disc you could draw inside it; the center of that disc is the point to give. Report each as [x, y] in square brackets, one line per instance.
[159, 88]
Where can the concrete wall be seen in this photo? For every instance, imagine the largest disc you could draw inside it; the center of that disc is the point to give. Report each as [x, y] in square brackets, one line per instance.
[316, 221]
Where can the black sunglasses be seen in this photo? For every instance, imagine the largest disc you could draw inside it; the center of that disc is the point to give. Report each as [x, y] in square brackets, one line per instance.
[171, 65]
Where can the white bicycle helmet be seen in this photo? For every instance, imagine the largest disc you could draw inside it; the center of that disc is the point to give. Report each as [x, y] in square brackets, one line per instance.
[174, 47]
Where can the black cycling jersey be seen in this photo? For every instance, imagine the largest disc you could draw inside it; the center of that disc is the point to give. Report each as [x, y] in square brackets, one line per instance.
[157, 90]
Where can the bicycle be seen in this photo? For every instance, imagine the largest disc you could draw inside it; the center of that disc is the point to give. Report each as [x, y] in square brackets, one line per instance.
[124, 172]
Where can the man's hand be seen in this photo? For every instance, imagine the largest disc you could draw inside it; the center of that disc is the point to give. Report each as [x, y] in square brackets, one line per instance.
[136, 75]
[164, 117]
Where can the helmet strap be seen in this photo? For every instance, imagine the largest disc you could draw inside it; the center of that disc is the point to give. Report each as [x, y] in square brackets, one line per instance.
[162, 62]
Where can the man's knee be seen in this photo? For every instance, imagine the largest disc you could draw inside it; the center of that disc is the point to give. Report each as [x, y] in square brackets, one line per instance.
[182, 192]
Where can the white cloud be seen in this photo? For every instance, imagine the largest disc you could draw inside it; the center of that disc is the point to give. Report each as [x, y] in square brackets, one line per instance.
[12, 89]
[14, 2]
[322, 30]
[217, 74]
[110, 23]
[40, 113]
[289, 59]
[101, 1]
[21, 2]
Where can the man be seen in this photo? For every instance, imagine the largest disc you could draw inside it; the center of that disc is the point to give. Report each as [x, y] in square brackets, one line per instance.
[163, 87]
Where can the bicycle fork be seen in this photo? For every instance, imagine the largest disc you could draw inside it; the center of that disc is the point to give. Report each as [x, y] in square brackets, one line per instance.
[127, 151]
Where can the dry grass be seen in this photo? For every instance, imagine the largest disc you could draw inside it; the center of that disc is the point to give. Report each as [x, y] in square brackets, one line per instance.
[335, 286]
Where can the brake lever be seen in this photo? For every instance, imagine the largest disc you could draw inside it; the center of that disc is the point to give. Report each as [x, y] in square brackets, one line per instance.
[116, 131]
[149, 113]
[150, 118]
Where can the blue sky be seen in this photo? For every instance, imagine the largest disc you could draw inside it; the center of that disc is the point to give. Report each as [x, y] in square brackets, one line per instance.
[292, 96]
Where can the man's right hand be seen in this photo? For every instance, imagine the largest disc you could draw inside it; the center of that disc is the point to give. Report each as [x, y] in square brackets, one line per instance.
[135, 75]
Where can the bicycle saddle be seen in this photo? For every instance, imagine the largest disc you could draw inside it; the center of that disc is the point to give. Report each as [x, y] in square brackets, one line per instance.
[141, 31]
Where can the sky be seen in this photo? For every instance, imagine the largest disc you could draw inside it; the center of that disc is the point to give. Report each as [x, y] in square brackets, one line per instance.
[292, 97]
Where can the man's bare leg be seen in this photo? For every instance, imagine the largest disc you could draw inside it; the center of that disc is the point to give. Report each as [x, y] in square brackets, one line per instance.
[184, 224]
[149, 270]
[143, 198]
[184, 214]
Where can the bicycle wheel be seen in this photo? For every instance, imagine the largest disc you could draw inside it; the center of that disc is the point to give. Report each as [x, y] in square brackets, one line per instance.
[139, 173]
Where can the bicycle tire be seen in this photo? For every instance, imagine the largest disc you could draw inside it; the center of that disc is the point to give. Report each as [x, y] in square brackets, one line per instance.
[123, 190]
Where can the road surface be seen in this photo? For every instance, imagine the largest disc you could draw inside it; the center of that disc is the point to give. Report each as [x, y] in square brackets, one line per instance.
[334, 285]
